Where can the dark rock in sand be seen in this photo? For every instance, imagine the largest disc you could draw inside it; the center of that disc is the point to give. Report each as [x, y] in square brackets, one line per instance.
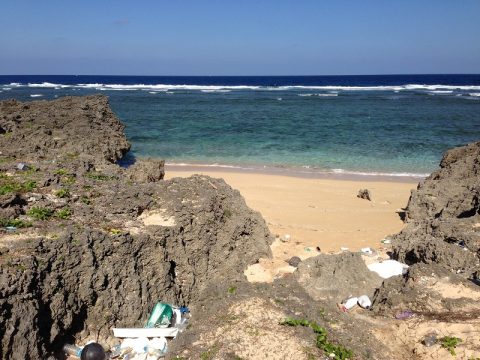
[294, 261]
[364, 194]
[443, 215]
[336, 277]
[67, 127]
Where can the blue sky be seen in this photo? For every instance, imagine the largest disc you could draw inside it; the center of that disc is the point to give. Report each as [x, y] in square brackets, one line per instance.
[241, 37]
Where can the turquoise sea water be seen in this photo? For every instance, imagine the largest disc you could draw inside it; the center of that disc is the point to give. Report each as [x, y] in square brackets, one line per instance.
[386, 125]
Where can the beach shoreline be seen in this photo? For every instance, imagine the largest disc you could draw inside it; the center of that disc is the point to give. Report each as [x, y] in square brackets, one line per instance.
[314, 213]
[297, 172]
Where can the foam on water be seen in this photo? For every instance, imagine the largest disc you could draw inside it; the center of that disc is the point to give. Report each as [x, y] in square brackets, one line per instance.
[439, 89]
[36, 95]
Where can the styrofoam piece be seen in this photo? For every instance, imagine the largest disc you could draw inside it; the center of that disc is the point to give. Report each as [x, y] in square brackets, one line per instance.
[364, 302]
[144, 332]
[388, 268]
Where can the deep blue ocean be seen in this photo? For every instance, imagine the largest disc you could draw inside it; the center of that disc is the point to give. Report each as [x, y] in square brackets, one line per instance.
[397, 124]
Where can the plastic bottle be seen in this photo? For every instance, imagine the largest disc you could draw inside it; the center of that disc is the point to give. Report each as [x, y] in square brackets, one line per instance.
[72, 350]
[161, 316]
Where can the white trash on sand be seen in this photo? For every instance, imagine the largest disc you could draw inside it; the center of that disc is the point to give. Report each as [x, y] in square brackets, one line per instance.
[388, 268]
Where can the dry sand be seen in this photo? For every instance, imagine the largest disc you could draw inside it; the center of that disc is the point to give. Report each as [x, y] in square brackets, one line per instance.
[315, 212]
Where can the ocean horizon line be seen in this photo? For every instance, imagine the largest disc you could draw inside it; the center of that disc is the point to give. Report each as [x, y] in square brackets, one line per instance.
[253, 75]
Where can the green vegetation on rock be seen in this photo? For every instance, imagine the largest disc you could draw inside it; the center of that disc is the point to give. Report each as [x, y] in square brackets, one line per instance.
[64, 214]
[40, 213]
[450, 343]
[63, 193]
[9, 185]
[15, 222]
[337, 352]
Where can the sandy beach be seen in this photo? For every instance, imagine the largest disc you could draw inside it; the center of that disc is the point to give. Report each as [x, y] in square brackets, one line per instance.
[316, 213]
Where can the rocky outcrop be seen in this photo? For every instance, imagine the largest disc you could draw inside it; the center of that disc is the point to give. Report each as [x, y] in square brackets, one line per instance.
[96, 245]
[337, 277]
[69, 127]
[428, 290]
[443, 216]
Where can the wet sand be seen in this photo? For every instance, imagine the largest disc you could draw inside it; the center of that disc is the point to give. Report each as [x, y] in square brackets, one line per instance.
[322, 213]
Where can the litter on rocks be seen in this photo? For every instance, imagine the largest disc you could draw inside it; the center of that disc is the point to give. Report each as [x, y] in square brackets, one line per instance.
[403, 315]
[150, 342]
[286, 238]
[367, 251]
[91, 351]
[147, 343]
[343, 248]
[23, 166]
[386, 241]
[349, 304]
[430, 340]
[363, 301]
[388, 268]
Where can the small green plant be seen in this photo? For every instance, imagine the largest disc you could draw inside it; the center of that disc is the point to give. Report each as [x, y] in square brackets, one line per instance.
[10, 185]
[209, 354]
[68, 179]
[232, 290]
[64, 213]
[339, 352]
[15, 222]
[29, 185]
[227, 213]
[61, 172]
[63, 193]
[114, 231]
[98, 176]
[85, 200]
[450, 343]
[39, 213]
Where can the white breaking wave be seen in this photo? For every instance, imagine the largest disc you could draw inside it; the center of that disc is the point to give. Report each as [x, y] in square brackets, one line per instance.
[224, 88]
[47, 85]
[215, 91]
[319, 95]
[7, 88]
[474, 94]
[441, 91]
[399, 174]
[36, 95]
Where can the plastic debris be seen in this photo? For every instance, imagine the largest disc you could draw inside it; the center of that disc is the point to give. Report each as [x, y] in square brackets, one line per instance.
[367, 251]
[364, 302]
[386, 241]
[430, 340]
[286, 238]
[72, 350]
[343, 248]
[10, 228]
[349, 304]
[22, 166]
[161, 316]
[388, 268]
[403, 315]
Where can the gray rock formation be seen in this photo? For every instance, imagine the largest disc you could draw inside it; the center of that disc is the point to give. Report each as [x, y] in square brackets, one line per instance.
[69, 127]
[337, 277]
[428, 290]
[102, 244]
[443, 215]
